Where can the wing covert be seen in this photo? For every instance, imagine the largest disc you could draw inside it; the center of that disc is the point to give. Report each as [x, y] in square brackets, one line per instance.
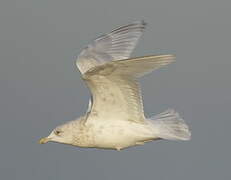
[115, 90]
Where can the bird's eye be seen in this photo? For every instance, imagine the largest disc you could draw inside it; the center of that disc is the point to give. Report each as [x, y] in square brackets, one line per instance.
[57, 132]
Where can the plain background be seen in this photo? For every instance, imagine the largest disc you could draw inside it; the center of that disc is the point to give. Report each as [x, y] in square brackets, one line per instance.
[41, 88]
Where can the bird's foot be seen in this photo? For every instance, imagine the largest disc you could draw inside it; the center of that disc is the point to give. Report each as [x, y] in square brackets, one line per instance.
[118, 148]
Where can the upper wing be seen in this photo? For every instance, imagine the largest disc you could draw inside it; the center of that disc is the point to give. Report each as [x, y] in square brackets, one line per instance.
[115, 91]
[115, 45]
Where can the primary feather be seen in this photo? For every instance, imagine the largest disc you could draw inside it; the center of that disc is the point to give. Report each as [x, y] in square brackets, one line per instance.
[116, 45]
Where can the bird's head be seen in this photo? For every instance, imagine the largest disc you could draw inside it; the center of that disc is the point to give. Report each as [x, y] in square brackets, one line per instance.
[61, 134]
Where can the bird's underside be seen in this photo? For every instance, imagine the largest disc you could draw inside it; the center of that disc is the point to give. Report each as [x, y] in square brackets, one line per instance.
[115, 117]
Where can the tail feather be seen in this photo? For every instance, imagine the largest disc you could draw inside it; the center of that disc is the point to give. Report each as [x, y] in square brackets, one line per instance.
[169, 125]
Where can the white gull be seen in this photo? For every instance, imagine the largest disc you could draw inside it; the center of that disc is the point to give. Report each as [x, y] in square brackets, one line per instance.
[115, 117]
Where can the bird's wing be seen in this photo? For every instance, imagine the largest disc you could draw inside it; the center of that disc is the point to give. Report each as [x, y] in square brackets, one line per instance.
[114, 87]
[115, 45]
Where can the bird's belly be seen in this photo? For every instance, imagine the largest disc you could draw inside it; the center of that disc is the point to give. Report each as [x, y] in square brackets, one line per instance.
[120, 135]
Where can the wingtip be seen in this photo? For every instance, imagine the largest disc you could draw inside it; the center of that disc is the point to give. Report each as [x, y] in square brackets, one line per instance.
[139, 23]
[171, 57]
[143, 22]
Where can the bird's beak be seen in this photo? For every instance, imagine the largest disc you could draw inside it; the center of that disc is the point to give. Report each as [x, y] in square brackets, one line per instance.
[44, 140]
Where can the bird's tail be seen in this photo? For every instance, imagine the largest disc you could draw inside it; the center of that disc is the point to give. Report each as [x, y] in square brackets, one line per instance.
[169, 125]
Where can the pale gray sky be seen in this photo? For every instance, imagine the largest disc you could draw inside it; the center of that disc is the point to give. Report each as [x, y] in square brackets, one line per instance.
[40, 87]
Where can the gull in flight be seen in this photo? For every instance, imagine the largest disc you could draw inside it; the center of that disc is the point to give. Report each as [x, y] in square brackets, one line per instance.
[115, 117]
